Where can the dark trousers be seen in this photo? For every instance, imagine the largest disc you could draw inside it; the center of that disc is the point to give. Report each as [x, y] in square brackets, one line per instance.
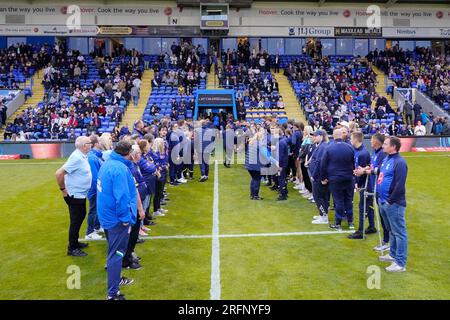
[92, 220]
[306, 179]
[282, 182]
[77, 213]
[369, 210]
[255, 182]
[117, 247]
[147, 211]
[277, 68]
[159, 190]
[134, 235]
[292, 166]
[342, 192]
[321, 194]
[409, 119]
[204, 165]
[174, 171]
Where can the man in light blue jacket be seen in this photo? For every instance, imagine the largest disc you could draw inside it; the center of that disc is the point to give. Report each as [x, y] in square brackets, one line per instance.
[117, 210]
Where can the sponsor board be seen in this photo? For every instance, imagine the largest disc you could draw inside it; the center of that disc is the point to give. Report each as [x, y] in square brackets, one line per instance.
[416, 32]
[42, 30]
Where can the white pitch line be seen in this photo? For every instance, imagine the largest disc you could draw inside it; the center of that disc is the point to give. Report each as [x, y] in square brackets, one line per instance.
[238, 235]
[215, 254]
[282, 234]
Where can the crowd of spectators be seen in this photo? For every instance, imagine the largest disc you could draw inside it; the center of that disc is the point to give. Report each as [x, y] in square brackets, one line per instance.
[422, 68]
[80, 91]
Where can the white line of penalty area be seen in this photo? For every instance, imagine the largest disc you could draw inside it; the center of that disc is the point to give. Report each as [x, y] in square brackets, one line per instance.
[242, 235]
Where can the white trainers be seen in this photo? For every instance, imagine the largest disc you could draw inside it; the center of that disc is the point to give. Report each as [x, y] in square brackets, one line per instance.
[306, 195]
[101, 230]
[182, 180]
[163, 210]
[320, 220]
[312, 200]
[158, 214]
[297, 187]
[303, 191]
[386, 258]
[394, 267]
[93, 236]
[384, 247]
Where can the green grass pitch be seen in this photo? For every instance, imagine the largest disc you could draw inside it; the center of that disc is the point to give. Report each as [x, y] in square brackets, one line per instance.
[34, 226]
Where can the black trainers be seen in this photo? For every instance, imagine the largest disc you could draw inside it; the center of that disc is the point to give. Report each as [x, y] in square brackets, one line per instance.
[202, 179]
[282, 198]
[139, 241]
[174, 183]
[133, 266]
[82, 245]
[371, 230]
[125, 281]
[256, 198]
[76, 253]
[274, 188]
[336, 227]
[357, 235]
[118, 296]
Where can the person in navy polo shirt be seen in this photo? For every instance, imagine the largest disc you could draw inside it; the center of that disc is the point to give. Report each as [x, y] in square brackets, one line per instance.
[336, 170]
[391, 185]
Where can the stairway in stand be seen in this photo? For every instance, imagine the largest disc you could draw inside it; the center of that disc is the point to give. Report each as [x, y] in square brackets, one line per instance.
[381, 86]
[292, 106]
[135, 113]
[38, 96]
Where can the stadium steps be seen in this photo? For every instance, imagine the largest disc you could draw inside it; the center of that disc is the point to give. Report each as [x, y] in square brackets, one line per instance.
[211, 76]
[38, 96]
[381, 86]
[135, 113]
[292, 107]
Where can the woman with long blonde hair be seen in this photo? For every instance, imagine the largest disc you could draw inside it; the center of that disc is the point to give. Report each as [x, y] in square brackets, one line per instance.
[106, 145]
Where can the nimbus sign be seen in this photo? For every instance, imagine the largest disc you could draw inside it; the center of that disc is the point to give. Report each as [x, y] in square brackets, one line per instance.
[416, 32]
[311, 31]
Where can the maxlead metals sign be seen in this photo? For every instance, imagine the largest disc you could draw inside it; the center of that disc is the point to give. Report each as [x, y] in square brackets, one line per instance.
[357, 32]
[311, 31]
[416, 32]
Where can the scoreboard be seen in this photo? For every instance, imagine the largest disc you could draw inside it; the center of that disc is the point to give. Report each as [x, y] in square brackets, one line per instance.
[214, 16]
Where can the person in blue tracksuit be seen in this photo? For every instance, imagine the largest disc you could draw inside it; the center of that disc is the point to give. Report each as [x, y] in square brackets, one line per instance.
[256, 157]
[173, 139]
[283, 162]
[362, 159]
[376, 160]
[204, 144]
[129, 261]
[321, 192]
[95, 161]
[149, 172]
[117, 210]
[228, 144]
[336, 170]
[159, 155]
[391, 189]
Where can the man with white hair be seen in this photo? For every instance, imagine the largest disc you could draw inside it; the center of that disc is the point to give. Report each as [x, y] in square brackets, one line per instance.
[74, 179]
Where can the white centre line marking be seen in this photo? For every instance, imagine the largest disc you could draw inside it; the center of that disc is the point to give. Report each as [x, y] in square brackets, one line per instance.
[238, 235]
[215, 255]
